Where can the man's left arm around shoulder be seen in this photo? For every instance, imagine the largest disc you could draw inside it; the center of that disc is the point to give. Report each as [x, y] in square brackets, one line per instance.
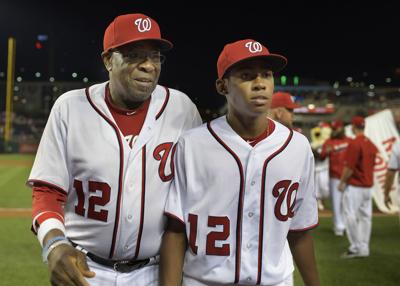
[302, 247]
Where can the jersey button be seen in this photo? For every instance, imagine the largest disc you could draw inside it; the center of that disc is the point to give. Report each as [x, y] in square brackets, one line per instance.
[126, 247]
[253, 183]
[248, 245]
[248, 279]
[250, 214]
[129, 217]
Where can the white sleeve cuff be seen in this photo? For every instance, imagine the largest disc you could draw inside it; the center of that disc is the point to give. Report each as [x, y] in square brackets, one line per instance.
[46, 226]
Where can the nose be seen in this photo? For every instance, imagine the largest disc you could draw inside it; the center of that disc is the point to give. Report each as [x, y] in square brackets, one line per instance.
[259, 82]
[146, 65]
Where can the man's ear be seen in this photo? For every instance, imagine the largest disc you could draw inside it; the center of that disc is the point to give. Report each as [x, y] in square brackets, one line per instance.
[107, 60]
[221, 86]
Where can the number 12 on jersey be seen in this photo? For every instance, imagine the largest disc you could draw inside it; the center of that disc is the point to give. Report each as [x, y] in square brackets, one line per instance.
[212, 236]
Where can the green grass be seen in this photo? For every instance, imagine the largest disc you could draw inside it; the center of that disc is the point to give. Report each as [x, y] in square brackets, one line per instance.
[14, 171]
[21, 261]
[381, 268]
[20, 252]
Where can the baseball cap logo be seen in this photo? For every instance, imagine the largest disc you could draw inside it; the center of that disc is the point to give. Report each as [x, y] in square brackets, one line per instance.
[143, 25]
[254, 47]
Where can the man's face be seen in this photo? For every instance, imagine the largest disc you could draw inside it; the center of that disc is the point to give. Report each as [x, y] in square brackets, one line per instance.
[134, 70]
[249, 88]
[283, 115]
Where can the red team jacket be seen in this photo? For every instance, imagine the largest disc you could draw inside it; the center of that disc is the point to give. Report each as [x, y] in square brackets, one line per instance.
[360, 157]
[336, 156]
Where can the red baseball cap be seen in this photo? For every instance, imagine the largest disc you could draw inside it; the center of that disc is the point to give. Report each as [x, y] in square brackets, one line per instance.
[283, 99]
[358, 121]
[335, 124]
[131, 28]
[239, 51]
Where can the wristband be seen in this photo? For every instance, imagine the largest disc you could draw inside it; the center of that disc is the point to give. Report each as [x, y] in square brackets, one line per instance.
[51, 244]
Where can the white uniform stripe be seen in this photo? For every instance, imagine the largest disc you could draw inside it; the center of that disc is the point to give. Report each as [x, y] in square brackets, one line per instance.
[240, 203]
[262, 204]
[121, 168]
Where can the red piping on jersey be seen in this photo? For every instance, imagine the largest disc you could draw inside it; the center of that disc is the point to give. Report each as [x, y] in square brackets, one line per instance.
[262, 200]
[121, 168]
[52, 186]
[142, 200]
[164, 104]
[240, 205]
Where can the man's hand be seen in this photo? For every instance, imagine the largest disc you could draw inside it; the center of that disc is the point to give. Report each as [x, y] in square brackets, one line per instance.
[68, 266]
[387, 199]
[342, 186]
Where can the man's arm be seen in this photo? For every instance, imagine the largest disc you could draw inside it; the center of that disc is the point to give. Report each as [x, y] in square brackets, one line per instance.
[388, 186]
[65, 263]
[302, 247]
[346, 174]
[172, 253]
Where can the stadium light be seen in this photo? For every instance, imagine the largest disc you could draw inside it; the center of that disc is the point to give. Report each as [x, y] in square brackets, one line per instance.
[283, 80]
[296, 80]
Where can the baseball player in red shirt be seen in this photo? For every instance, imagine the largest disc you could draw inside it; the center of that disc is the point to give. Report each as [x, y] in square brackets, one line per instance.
[335, 149]
[104, 165]
[237, 193]
[356, 184]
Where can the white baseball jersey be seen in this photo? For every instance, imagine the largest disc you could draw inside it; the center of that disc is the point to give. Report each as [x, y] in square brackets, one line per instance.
[116, 194]
[394, 160]
[239, 202]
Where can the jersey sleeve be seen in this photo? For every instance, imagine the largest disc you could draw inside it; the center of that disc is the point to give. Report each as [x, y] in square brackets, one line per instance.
[50, 166]
[394, 159]
[174, 204]
[305, 209]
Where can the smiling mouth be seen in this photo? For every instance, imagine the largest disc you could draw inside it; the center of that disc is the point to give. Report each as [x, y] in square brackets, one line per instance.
[143, 80]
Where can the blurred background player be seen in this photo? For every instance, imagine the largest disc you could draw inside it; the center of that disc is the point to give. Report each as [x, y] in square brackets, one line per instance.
[334, 148]
[319, 135]
[356, 182]
[393, 167]
[282, 106]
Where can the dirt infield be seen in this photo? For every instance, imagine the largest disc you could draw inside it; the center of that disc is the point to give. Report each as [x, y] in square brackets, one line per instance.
[15, 212]
[16, 163]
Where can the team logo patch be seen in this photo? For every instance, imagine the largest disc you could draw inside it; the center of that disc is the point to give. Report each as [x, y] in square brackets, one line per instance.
[162, 153]
[285, 191]
[254, 47]
[143, 25]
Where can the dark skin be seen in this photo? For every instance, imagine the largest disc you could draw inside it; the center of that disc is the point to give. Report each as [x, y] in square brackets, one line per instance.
[134, 70]
[248, 89]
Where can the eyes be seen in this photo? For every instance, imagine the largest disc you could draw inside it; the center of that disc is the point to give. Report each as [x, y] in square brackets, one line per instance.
[247, 75]
[139, 56]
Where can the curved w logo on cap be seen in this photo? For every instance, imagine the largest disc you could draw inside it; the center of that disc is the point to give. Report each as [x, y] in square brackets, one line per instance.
[254, 47]
[143, 25]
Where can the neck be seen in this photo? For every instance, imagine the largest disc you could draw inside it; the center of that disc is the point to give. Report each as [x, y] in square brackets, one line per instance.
[246, 126]
[119, 99]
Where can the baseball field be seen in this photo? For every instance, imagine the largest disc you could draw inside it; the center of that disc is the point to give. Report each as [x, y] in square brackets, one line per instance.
[20, 262]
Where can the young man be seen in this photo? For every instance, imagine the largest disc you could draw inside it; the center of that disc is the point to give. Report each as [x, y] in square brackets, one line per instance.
[104, 167]
[356, 183]
[334, 148]
[243, 187]
[282, 106]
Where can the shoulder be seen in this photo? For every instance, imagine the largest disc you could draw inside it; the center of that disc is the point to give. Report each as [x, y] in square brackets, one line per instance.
[196, 134]
[79, 95]
[174, 95]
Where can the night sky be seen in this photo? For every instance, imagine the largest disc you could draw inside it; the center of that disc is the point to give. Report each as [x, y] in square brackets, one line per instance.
[325, 41]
